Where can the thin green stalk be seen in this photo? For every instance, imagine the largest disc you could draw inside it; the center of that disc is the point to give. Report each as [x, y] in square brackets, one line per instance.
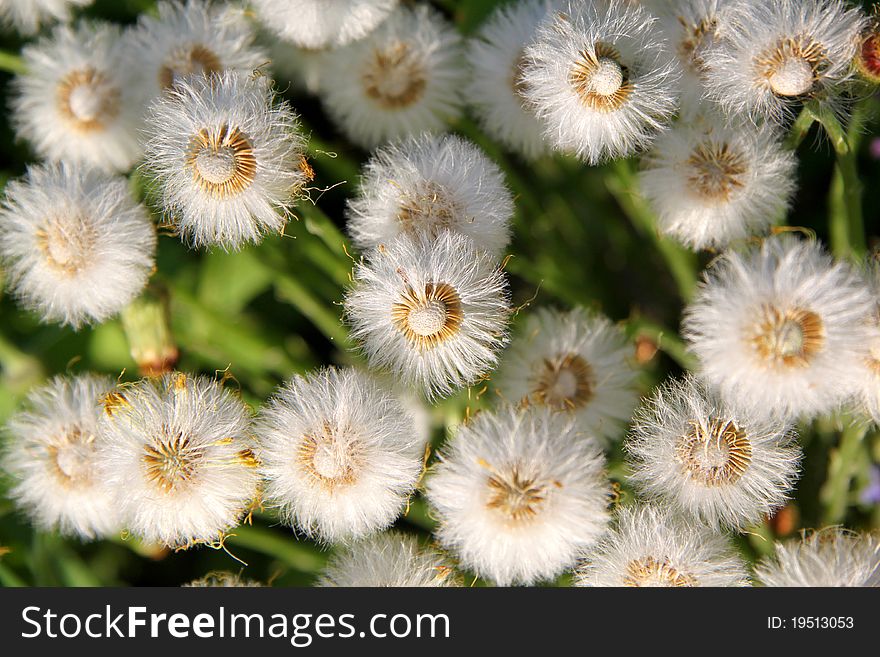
[11, 63]
[835, 493]
[328, 322]
[287, 549]
[801, 127]
[682, 264]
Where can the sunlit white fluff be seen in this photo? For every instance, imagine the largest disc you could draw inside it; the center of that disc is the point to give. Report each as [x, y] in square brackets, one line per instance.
[28, 16]
[339, 453]
[76, 248]
[389, 559]
[868, 398]
[322, 23]
[432, 311]
[779, 328]
[602, 79]
[177, 452]
[226, 157]
[652, 547]
[405, 78]
[75, 101]
[574, 362]
[777, 53]
[519, 494]
[697, 456]
[223, 579]
[692, 27]
[429, 184]
[830, 557]
[51, 454]
[712, 183]
[496, 56]
[198, 37]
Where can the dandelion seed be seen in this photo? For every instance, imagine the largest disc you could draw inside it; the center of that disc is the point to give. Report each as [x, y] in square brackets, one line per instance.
[223, 579]
[405, 78]
[519, 494]
[340, 454]
[74, 102]
[433, 312]
[228, 160]
[779, 329]
[199, 37]
[696, 455]
[75, 246]
[427, 185]
[51, 455]
[830, 557]
[390, 559]
[322, 23]
[177, 452]
[650, 547]
[712, 183]
[602, 80]
[573, 362]
[28, 16]
[497, 60]
[777, 53]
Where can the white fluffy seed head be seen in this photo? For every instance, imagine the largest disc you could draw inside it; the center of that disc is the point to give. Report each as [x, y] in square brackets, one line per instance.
[405, 78]
[712, 183]
[74, 102]
[198, 37]
[427, 185]
[405, 289]
[223, 579]
[340, 454]
[178, 455]
[652, 547]
[601, 78]
[389, 559]
[322, 23]
[779, 329]
[829, 557]
[227, 159]
[576, 363]
[869, 382]
[519, 494]
[776, 53]
[51, 456]
[496, 56]
[28, 16]
[75, 246]
[700, 458]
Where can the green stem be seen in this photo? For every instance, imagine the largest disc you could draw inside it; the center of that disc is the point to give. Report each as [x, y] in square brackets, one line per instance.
[835, 494]
[286, 549]
[801, 127]
[682, 264]
[11, 63]
[297, 294]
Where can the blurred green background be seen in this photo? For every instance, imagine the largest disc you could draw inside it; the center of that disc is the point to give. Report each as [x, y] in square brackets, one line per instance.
[582, 236]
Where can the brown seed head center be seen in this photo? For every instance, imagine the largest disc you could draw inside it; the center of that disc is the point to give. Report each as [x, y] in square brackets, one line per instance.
[716, 170]
[70, 455]
[67, 244]
[330, 457]
[787, 339]
[793, 66]
[222, 161]
[566, 382]
[651, 572]
[188, 60]
[395, 76]
[429, 316]
[171, 461]
[515, 496]
[715, 453]
[429, 208]
[88, 99]
[599, 79]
